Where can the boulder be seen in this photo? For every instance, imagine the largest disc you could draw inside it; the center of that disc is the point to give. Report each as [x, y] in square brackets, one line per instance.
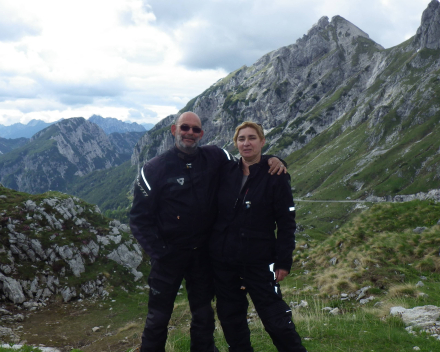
[68, 293]
[12, 289]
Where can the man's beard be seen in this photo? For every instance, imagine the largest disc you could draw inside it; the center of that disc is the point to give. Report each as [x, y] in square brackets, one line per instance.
[183, 147]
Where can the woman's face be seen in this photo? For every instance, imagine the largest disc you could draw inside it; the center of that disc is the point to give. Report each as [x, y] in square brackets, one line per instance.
[249, 143]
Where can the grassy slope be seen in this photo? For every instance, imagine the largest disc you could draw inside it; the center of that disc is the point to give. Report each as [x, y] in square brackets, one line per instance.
[383, 156]
[378, 248]
[109, 189]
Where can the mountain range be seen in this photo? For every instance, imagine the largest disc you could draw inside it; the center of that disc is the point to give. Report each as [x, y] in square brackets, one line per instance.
[66, 150]
[108, 124]
[351, 118]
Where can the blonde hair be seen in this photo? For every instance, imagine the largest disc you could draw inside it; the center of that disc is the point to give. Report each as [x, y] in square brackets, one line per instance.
[250, 124]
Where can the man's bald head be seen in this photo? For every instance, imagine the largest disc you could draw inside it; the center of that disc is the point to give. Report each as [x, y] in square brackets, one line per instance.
[187, 115]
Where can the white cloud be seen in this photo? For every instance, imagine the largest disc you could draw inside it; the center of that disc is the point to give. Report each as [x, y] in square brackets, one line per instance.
[135, 59]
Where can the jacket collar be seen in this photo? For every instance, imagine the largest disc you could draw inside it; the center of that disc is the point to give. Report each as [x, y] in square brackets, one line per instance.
[253, 169]
[185, 156]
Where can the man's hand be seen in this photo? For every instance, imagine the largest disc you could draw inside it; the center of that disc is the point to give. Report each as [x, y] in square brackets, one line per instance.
[280, 274]
[276, 166]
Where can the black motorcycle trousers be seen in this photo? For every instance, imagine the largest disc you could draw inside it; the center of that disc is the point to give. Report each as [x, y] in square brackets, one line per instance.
[232, 283]
[165, 279]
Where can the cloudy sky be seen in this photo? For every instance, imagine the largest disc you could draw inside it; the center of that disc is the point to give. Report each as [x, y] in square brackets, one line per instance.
[141, 60]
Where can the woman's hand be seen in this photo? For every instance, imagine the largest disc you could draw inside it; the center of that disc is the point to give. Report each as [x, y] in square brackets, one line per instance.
[280, 274]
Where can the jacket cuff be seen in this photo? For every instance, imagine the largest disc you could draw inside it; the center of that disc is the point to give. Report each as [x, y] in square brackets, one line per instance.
[285, 265]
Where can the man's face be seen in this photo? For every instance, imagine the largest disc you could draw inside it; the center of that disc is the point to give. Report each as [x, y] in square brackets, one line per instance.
[186, 138]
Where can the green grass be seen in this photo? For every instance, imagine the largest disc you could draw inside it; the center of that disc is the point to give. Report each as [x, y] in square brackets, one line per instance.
[94, 188]
[392, 259]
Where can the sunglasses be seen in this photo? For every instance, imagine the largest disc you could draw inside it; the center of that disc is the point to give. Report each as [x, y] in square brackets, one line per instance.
[186, 128]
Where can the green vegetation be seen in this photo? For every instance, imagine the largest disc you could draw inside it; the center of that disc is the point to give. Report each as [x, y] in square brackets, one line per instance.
[374, 245]
[94, 188]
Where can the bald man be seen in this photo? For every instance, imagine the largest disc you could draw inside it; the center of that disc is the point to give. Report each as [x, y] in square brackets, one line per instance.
[174, 208]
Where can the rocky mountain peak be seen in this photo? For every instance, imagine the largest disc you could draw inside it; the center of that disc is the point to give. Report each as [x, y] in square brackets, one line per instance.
[428, 34]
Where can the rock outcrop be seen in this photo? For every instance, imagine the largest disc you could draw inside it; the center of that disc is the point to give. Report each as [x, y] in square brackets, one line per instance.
[55, 239]
[353, 118]
[428, 34]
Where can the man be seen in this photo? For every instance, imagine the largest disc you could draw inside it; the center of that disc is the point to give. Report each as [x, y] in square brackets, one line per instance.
[173, 210]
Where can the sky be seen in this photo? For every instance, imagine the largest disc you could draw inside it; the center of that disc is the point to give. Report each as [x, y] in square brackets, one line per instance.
[142, 60]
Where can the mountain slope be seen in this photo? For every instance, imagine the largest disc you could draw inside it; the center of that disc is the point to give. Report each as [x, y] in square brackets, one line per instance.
[359, 119]
[53, 156]
[110, 189]
[7, 144]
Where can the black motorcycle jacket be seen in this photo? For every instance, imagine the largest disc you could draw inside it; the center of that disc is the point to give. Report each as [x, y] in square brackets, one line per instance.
[248, 216]
[175, 199]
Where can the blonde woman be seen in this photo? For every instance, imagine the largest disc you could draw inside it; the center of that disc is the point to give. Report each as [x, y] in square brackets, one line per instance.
[247, 256]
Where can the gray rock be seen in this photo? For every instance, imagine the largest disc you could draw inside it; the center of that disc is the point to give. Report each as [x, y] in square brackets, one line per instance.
[13, 318]
[89, 288]
[130, 259]
[6, 332]
[6, 269]
[397, 311]
[73, 257]
[4, 312]
[12, 289]
[335, 311]
[362, 292]
[425, 316]
[334, 261]
[428, 34]
[123, 256]
[419, 229]
[104, 240]
[30, 205]
[420, 284]
[29, 305]
[366, 300]
[68, 293]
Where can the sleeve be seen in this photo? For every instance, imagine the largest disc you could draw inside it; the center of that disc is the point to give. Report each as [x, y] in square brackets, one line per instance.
[285, 219]
[265, 157]
[143, 220]
[227, 157]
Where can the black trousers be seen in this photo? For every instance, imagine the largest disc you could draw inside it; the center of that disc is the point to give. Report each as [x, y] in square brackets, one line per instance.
[165, 279]
[232, 283]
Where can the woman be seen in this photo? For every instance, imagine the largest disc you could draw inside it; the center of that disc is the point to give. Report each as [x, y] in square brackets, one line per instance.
[247, 256]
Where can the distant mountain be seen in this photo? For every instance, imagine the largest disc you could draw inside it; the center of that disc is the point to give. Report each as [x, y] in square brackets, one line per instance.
[148, 126]
[108, 124]
[18, 130]
[125, 142]
[111, 125]
[55, 155]
[6, 144]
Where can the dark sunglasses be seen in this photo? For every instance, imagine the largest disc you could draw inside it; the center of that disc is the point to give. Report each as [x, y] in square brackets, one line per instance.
[186, 128]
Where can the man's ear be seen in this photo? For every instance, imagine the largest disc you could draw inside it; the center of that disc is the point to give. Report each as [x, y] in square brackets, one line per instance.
[173, 130]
